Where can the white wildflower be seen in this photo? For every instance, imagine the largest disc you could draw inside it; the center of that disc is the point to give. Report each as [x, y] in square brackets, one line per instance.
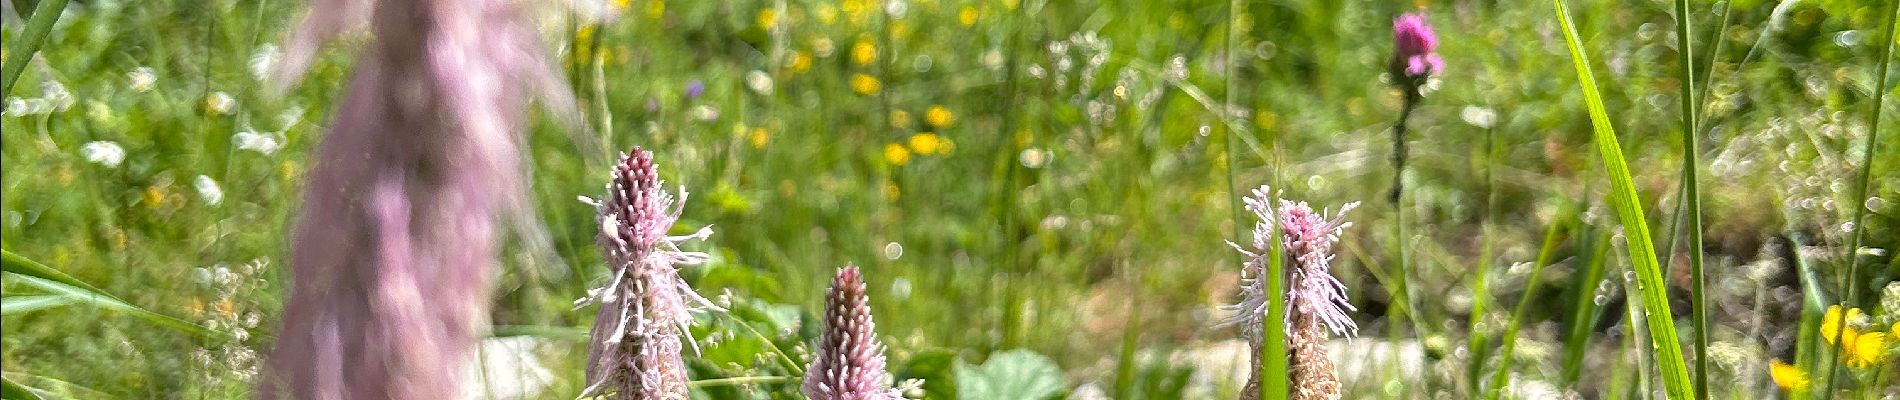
[104, 153]
[262, 143]
[209, 191]
[142, 79]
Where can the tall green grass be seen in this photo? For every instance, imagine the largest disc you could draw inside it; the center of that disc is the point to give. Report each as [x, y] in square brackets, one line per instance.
[1851, 255]
[1629, 209]
[1691, 195]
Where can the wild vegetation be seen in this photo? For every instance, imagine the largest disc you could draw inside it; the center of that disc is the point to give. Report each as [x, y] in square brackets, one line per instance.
[1036, 199]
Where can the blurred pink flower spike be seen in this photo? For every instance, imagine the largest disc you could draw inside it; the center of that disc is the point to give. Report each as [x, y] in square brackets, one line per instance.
[393, 251]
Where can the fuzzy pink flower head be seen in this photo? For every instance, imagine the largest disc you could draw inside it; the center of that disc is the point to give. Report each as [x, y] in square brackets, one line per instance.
[850, 361]
[1415, 46]
[1307, 237]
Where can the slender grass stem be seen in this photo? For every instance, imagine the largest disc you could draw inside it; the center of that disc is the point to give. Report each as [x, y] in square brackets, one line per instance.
[28, 43]
[1501, 376]
[1642, 253]
[1691, 197]
[1475, 341]
[1852, 254]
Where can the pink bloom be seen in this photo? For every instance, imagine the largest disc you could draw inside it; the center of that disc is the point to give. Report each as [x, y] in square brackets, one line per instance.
[850, 361]
[1414, 46]
[644, 307]
[396, 239]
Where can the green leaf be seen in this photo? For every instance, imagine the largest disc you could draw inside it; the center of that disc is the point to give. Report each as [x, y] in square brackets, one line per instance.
[540, 331]
[14, 391]
[1629, 209]
[18, 264]
[24, 46]
[937, 368]
[21, 304]
[106, 301]
[1011, 375]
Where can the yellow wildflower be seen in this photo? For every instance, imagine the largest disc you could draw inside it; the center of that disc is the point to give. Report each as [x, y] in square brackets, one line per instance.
[1831, 324]
[900, 31]
[758, 138]
[900, 119]
[622, 4]
[891, 191]
[827, 14]
[767, 18]
[896, 154]
[1867, 350]
[864, 84]
[656, 8]
[1788, 377]
[926, 143]
[801, 62]
[938, 116]
[967, 16]
[1012, 4]
[226, 308]
[864, 52]
[154, 197]
[197, 306]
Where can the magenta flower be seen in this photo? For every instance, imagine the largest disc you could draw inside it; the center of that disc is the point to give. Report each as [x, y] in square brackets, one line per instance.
[850, 361]
[645, 306]
[1315, 301]
[1414, 47]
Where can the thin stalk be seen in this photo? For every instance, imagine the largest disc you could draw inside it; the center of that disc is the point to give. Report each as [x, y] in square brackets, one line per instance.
[1402, 306]
[1808, 352]
[1475, 341]
[1642, 253]
[1852, 256]
[28, 43]
[1501, 376]
[1691, 196]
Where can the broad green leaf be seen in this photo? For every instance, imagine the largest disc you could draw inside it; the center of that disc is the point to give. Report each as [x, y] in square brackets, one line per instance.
[1011, 375]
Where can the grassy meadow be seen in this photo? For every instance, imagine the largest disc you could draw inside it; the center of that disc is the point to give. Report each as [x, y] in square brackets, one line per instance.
[1040, 193]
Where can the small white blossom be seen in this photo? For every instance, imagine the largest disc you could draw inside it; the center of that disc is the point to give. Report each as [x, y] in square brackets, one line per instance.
[262, 143]
[104, 153]
[209, 191]
[265, 58]
[142, 79]
[220, 103]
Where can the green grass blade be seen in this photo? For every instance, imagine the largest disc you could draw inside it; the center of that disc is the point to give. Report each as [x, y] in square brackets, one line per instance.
[1273, 381]
[1699, 315]
[14, 391]
[738, 381]
[1501, 375]
[1629, 209]
[1583, 314]
[1649, 282]
[15, 263]
[1852, 256]
[106, 301]
[22, 304]
[1813, 306]
[540, 331]
[28, 43]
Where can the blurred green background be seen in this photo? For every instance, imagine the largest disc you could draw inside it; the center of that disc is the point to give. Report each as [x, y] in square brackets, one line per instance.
[1038, 191]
